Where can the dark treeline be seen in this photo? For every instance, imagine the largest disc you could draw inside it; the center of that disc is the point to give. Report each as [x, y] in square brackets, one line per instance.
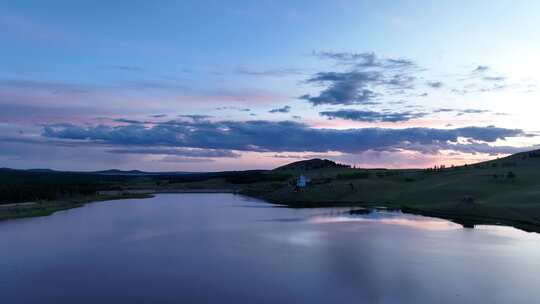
[24, 186]
[21, 186]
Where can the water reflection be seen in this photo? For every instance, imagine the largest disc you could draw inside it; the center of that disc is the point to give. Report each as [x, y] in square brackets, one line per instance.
[383, 216]
[299, 238]
[509, 232]
[215, 248]
[388, 218]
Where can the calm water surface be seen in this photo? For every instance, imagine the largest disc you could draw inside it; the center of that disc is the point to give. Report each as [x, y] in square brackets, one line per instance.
[224, 248]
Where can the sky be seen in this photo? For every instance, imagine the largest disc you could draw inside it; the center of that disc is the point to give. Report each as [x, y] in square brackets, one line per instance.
[229, 85]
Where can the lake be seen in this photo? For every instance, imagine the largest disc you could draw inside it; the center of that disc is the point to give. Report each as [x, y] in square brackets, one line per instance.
[225, 248]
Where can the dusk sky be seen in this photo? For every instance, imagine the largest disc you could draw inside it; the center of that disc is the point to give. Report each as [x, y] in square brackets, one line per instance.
[222, 85]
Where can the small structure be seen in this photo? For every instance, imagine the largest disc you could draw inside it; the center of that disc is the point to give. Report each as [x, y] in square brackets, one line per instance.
[302, 181]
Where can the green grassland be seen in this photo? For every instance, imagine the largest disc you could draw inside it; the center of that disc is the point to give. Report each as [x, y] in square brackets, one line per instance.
[501, 191]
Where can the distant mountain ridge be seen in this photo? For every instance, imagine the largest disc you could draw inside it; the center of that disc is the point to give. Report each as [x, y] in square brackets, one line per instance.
[309, 164]
[103, 172]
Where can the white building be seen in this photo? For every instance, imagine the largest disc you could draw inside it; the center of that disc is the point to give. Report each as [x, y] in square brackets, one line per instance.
[302, 181]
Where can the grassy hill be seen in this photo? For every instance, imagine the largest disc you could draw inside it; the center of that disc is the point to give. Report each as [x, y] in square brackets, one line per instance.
[505, 190]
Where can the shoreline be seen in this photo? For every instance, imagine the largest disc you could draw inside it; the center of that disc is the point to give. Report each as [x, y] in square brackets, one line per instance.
[45, 208]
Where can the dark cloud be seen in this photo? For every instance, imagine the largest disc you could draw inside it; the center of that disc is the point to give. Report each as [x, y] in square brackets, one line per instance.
[494, 78]
[367, 78]
[285, 109]
[471, 111]
[474, 148]
[400, 81]
[399, 63]
[481, 69]
[370, 116]
[271, 136]
[440, 110]
[435, 84]
[345, 88]
[158, 115]
[129, 121]
[196, 117]
[365, 60]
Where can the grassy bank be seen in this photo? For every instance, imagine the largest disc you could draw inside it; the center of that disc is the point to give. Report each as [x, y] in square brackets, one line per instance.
[44, 208]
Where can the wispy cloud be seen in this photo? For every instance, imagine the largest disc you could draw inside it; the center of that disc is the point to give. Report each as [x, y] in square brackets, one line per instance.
[365, 60]
[196, 117]
[435, 84]
[285, 109]
[269, 72]
[371, 116]
[481, 69]
[185, 152]
[126, 68]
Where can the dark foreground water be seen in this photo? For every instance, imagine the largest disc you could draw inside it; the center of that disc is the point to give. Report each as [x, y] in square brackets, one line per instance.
[222, 248]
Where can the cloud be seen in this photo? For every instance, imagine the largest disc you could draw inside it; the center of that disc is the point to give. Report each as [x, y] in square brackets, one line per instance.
[365, 60]
[370, 116]
[471, 111]
[299, 156]
[367, 78]
[285, 109]
[269, 73]
[481, 69]
[182, 159]
[127, 68]
[460, 112]
[272, 136]
[435, 84]
[129, 121]
[494, 78]
[233, 108]
[196, 117]
[158, 115]
[345, 88]
[185, 152]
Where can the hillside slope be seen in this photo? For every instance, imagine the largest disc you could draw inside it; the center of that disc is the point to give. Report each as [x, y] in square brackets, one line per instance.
[505, 190]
